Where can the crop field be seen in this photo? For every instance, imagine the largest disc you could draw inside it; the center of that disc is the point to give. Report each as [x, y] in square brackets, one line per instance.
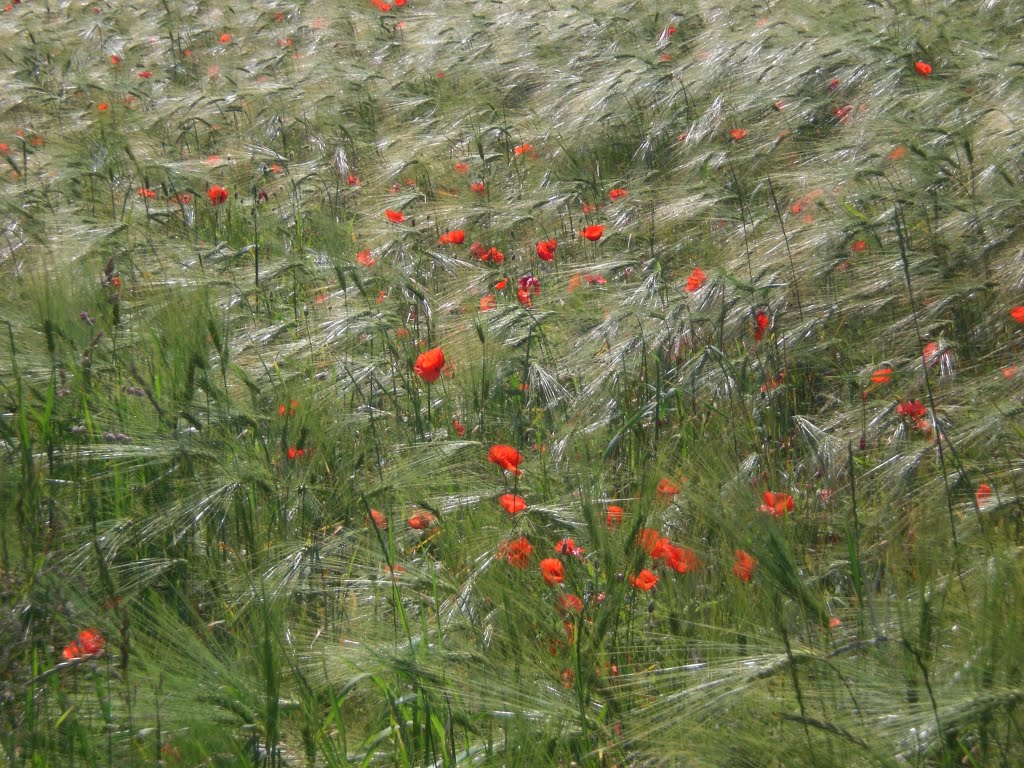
[600, 383]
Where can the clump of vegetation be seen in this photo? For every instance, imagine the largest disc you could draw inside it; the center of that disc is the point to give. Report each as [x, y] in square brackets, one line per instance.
[511, 384]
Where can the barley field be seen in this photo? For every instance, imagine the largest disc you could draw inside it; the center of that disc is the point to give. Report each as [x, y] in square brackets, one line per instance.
[522, 383]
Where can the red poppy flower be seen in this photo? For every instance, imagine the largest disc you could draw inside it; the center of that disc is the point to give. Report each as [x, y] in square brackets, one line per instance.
[648, 539]
[738, 134]
[103, 106]
[506, 457]
[71, 651]
[524, 297]
[568, 547]
[460, 167]
[570, 604]
[546, 249]
[460, 429]
[364, 258]
[593, 232]
[552, 570]
[487, 303]
[217, 194]
[146, 192]
[614, 518]
[982, 494]
[420, 520]
[377, 519]
[1017, 313]
[923, 69]
[88, 643]
[294, 452]
[501, 284]
[881, 375]
[523, 149]
[516, 552]
[760, 325]
[644, 581]
[588, 207]
[912, 409]
[396, 217]
[455, 237]
[696, 279]
[478, 187]
[511, 503]
[744, 565]
[225, 38]
[683, 560]
[353, 180]
[428, 365]
[617, 194]
[859, 246]
[776, 504]
[667, 488]
[529, 283]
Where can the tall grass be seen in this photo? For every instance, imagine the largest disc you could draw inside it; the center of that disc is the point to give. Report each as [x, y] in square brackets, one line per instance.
[806, 291]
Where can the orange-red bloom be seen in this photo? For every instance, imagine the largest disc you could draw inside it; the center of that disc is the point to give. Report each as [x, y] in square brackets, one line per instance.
[478, 187]
[859, 246]
[460, 167]
[648, 539]
[421, 520]
[511, 503]
[923, 69]
[743, 568]
[760, 325]
[217, 194]
[546, 249]
[614, 518]
[593, 232]
[364, 258]
[982, 494]
[645, 580]
[696, 279]
[506, 457]
[667, 488]
[679, 559]
[455, 237]
[776, 504]
[225, 38]
[1017, 313]
[516, 552]
[459, 427]
[428, 365]
[569, 604]
[523, 149]
[881, 375]
[103, 106]
[552, 570]
[912, 409]
[147, 193]
[568, 547]
[396, 217]
[488, 302]
[617, 194]
[88, 643]
[738, 133]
